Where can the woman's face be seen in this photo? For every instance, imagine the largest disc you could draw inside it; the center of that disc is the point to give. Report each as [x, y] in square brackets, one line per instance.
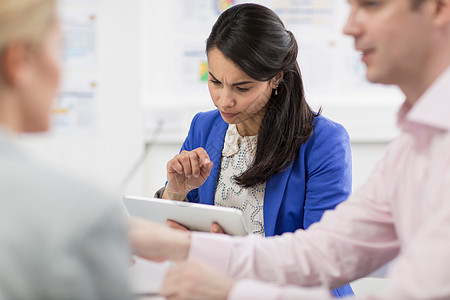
[41, 89]
[240, 99]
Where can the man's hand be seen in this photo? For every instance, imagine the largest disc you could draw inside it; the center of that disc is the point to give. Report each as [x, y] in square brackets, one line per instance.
[157, 242]
[194, 279]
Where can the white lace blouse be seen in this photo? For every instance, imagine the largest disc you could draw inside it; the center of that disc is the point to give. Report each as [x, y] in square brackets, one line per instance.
[237, 154]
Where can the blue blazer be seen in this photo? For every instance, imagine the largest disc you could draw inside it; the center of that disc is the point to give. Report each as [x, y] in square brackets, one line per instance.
[319, 178]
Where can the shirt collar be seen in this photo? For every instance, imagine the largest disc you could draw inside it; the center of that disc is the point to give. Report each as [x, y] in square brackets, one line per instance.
[433, 108]
[233, 141]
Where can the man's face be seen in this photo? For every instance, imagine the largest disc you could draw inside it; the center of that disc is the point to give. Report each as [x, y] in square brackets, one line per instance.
[392, 37]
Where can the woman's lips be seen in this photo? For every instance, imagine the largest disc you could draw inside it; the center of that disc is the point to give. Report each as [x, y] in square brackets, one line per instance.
[228, 115]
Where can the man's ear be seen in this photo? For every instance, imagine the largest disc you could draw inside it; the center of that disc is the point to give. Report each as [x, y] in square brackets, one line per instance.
[15, 59]
[442, 12]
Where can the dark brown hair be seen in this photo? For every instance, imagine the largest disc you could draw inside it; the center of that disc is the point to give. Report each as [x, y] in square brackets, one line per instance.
[255, 39]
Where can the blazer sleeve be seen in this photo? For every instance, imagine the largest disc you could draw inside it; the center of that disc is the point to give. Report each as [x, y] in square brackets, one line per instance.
[329, 170]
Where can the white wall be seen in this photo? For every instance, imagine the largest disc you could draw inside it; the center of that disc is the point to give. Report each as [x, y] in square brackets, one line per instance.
[107, 155]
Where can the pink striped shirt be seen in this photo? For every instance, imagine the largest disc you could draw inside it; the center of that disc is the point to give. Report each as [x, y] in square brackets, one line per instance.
[402, 212]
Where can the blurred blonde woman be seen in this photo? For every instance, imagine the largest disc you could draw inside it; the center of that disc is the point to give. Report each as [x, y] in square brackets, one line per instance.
[59, 238]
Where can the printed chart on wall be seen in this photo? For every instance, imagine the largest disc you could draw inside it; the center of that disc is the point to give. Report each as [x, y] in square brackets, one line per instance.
[314, 24]
[326, 58]
[195, 19]
[76, 109]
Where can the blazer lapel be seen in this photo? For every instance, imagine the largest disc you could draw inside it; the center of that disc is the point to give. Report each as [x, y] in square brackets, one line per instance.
[274, 195]
[214, 148]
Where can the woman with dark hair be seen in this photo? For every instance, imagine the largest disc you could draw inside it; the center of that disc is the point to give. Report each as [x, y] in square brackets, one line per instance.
[263, 151]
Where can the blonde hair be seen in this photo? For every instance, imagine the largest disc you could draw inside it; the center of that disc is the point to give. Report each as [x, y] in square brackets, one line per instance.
[26, 20]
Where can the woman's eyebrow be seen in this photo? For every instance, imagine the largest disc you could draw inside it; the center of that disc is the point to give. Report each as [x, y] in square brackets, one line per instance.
[234, 84]
[241, 83]
[213, 76]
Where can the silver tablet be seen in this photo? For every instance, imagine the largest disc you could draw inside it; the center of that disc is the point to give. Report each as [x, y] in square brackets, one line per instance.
[196, 217]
